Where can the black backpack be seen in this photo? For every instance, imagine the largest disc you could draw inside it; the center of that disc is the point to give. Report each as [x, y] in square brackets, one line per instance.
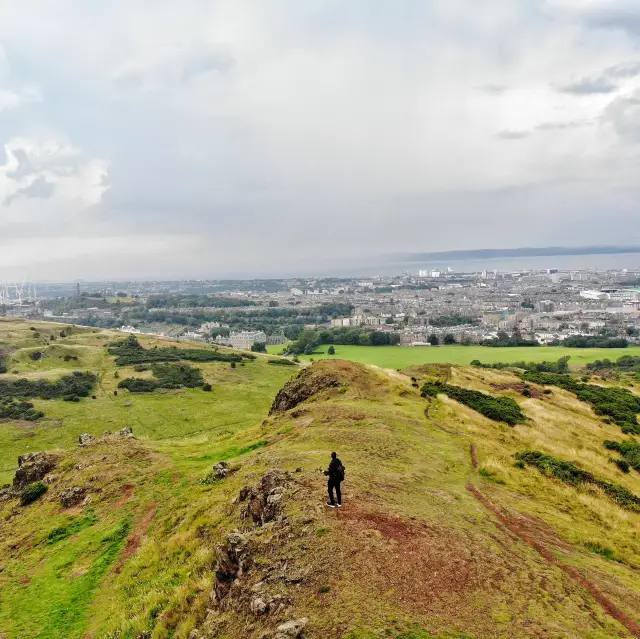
[341, 470]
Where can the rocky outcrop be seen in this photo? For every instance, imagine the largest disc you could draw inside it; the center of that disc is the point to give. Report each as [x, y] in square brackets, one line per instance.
[306, 385]
[33, 467]
[72, 496]
[85, 439]
[233, 560]
[264, 502]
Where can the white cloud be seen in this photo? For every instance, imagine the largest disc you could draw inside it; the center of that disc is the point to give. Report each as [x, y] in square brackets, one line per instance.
[72, 179]
[411, 126]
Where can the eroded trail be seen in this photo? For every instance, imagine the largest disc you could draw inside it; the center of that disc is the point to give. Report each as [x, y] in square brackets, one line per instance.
[511, 524]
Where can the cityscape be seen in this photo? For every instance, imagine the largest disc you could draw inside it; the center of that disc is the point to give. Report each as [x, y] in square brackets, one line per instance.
[429, 307]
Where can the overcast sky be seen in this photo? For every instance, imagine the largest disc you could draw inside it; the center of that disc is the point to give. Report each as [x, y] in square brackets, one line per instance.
[206, 138]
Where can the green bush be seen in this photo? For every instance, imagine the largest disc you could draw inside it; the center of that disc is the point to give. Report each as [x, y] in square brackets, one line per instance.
[32, 492]
[12, 409]
[620, 404]
[78, 383]
[629, 449]
[281, 362]
[569, 473]
[499, 409]
[130, 352]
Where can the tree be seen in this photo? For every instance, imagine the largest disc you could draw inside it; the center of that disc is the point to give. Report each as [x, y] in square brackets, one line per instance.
[389, 320]
[331, 350]
[364, 340]
[259, 347]
[433, 339]
[449, 339]
[308, 349]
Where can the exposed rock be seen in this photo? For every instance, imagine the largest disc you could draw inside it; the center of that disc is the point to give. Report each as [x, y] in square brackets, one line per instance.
[50, 479]
[220, 470]
[306, 385]
[86, 439]
[234, 559]
[265, 501]
[127, 404]
[258, 606]
[33, 467]
[72, 496]
[6, 493]
[291, 629]
[127, 431]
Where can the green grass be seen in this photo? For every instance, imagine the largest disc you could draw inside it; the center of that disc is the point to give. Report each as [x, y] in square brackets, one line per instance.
[139, 560]
[405, 356]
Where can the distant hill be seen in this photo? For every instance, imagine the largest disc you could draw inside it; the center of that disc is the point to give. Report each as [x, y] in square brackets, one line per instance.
[196, 513]
[550, 251]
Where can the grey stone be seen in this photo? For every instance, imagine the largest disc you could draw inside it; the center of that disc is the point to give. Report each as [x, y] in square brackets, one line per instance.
[86, 439]
[72, 496]
[33, 467]
[291, 629]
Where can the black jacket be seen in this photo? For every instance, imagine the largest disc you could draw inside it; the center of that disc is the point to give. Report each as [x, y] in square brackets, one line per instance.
[336, 470]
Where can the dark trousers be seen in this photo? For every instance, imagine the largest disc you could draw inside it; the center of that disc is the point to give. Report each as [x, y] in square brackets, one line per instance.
[335, 483]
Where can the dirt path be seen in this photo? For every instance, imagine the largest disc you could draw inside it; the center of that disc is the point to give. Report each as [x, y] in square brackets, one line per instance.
[512, 525]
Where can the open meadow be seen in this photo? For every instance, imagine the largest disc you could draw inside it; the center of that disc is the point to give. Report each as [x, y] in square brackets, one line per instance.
[404, 356]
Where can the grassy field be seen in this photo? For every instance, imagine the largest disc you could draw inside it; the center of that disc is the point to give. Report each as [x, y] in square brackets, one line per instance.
[413, 553]
[402, 357]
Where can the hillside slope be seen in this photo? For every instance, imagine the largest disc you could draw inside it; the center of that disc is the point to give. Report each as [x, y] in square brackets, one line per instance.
[441, 535]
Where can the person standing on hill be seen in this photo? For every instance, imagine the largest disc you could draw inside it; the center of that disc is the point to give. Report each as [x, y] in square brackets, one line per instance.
[335, 472]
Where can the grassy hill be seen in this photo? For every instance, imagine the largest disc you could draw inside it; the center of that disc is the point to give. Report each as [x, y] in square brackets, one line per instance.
[444, 533]
[402, 357]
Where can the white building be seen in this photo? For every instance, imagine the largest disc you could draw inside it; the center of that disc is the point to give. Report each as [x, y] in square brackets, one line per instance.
[243, 340]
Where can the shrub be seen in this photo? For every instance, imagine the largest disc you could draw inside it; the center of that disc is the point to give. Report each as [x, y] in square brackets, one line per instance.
[71, 398]
[629, 449]
[621, 464]
[136, 385]
[130, 352]
[36, 355]
[281, 362]
[78, 383]
[500, 409]
[141, 368]
[13, 409]
[206, 387]
[569, 473]
[32, 492]
[620, 404]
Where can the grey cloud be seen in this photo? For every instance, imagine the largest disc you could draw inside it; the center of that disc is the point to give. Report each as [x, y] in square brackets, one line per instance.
[25, 167]
[39, 188]
[494, 89]
[561, 126]
[589, 86]
[624, 116]
[509, 134]
[624, 70]
[606, 82]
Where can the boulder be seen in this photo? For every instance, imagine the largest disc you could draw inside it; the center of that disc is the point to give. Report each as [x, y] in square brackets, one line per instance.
[86, 439]
[127, 431]
[33, 467]
[220, 470]
[291, 629]
[72, 496]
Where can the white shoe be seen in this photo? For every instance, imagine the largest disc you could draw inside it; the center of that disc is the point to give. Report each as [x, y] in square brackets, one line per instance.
[330, 505]
[339, 505]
